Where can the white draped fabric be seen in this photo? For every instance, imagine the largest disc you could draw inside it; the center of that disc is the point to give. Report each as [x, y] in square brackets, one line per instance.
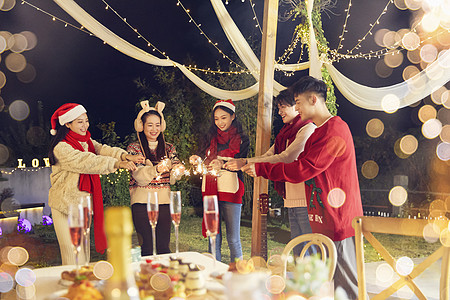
[90, 23]
[408, 92]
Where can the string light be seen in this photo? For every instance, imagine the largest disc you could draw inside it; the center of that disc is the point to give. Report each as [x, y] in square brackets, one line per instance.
[358, 45]
[255, 18]
[198, 25]
[344, 28]
[23, 170]
[54, 18]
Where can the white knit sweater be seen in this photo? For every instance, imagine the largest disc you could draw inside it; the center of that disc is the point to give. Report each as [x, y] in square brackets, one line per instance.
[71, 163]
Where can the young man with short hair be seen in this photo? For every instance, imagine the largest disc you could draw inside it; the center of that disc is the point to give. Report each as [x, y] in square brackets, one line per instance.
[328, 167]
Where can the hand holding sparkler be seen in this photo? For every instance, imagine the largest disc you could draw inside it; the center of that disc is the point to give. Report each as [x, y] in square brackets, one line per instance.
[215, 165]
[164, 166]
[178, 170]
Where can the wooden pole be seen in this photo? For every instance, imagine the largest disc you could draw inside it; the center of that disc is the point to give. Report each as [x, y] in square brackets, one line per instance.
[264, 121]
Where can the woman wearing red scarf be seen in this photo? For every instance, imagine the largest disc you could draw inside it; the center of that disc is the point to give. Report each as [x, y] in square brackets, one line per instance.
[226, 140]
[76, 162]
[289, 143]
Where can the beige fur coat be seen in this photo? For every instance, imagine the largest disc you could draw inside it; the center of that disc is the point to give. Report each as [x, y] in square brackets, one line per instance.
[71, 163]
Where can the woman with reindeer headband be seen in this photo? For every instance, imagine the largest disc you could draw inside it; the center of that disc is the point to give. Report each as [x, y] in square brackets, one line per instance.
[225, 140]
[161, 169]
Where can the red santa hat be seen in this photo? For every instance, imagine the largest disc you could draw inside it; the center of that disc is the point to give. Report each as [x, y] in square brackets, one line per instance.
[65, 114]
[227, 103]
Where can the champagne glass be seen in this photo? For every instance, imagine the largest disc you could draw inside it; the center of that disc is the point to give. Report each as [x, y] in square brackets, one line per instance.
[211, 216]
[175, 213]
[87, 212]
[153, 212]
[76, 219]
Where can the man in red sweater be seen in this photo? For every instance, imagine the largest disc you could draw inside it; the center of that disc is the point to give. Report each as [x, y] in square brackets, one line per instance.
[328, 168]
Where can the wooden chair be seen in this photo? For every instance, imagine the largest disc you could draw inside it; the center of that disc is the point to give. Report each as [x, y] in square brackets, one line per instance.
[324, 243]
[364, 226]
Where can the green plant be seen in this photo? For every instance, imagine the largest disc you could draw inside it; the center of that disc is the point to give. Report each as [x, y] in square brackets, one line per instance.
[46, 233]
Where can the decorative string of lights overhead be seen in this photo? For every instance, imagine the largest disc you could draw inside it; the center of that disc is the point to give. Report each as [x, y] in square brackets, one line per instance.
[54, 18]
[198, 25]
[344, 28]
[255, 18]
[82, 29]
[23, 170]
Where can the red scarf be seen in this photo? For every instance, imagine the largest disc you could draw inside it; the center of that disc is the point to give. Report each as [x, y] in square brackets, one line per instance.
[233, 139]
[91, 183]
[286, 134]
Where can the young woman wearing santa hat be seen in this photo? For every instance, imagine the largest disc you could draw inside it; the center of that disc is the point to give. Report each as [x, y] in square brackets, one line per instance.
[161, 169]
[76, 161]
[226, 140]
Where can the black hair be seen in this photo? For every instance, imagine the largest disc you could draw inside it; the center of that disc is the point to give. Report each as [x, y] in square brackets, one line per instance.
[60, 135]
[160, 149]
[309, 84]
[212, 133]
[285, 97]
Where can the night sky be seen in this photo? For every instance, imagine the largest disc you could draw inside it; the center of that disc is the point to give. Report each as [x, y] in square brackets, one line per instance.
[75, 67]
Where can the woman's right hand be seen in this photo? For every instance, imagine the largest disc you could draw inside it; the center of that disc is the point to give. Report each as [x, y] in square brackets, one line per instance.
[129, 165]
[194, 159]
[163, 166]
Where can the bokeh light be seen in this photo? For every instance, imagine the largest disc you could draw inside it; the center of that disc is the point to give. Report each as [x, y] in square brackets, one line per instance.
[436, 96]
[8, 206]
[382, 70]
[398, 151]
[414, 56]
[446, 99]
[400, 4]
[431, 233]
[390, 103]
[4, 254]
[413, 4]
[4, 154]
[430, 22]
[19, 110]
[443, 115]
[8, 5]
[6, 282]
[404, 266]
[336, 197]
[26, 292]
[46, 220]
[2, 79]
[18, 256]
[160, 282]
[370, 169]
[275, 264]
[259, 263]
[31, 39]
[394, 59]
[428, 53]
[15, 62]
[103, 270]
[6, 35]
[375, 128]
[445, 134]
[426, 113]
[2, 104]
[398, 195]
[384, 272]
[379, 35]
[443, 151]
[25, 277]
[275, 284]
[3, 43]
[245, 266]
[391, 39]
[445, 237]
[36, 136]
[18, 43]
[431, 128]
[411, 41]
[437, 209]
[443, 39]
[27, 75]
[408, 144]
[410, 71]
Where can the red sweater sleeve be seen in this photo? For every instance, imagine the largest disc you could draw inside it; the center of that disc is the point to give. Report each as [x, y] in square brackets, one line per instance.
[321, 149]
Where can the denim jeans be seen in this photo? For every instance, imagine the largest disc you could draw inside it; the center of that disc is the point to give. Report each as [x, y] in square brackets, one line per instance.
[230, 213]
[299, 223]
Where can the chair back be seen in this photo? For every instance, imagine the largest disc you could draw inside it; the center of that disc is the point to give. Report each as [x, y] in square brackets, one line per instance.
[365, 226]
[322, 242]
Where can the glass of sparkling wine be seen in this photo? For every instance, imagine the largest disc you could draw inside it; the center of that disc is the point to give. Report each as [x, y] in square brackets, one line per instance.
[87, 213]
[175, 213]
[153, 212]
[211, 216]
[76, 223]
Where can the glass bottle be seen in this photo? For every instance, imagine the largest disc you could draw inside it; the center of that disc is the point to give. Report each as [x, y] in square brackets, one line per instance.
[118, 228]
